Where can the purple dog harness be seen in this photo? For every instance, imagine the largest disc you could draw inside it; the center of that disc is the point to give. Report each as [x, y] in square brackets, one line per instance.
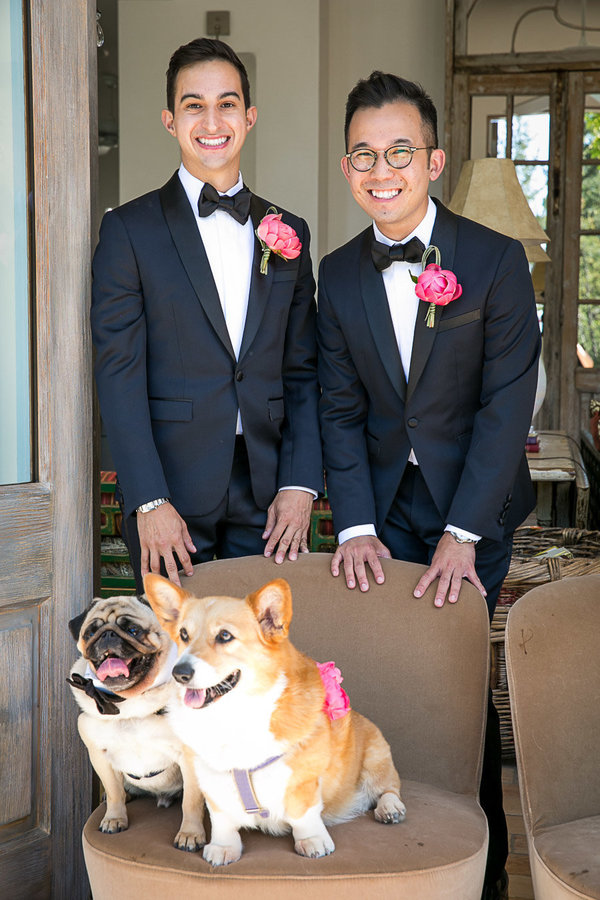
[243, 781]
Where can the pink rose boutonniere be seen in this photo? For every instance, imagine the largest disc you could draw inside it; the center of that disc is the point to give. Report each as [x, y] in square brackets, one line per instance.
[276, 237]
[337, 703]
[435, 285]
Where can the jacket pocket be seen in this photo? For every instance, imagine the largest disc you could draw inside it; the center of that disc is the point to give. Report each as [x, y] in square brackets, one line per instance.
[170, 410]
[276, 409]
[289, 274]
[456, 321]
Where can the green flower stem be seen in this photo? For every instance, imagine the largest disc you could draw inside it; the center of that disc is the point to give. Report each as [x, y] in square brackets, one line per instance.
[264, 263]
[427, 254]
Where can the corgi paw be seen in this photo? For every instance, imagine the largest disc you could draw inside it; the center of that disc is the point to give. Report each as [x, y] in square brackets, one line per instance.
[113, 824]
[390, 809]
[189, 841]
[218, 855]
[314, 847]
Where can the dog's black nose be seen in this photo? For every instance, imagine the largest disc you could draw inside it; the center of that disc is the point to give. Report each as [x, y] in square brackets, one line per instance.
[183, 672]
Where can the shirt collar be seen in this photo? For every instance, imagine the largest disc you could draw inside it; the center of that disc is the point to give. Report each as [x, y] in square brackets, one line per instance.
[423, 231]
[193, 186]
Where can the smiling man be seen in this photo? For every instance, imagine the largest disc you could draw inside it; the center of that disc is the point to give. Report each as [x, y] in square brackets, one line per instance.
[424, 411]
[206, 366]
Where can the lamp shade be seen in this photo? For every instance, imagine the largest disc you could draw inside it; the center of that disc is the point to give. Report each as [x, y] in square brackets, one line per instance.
[488, 191]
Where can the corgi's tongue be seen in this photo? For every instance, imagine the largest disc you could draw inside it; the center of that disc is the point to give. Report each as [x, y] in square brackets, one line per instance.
[112, 667]
[195, 699]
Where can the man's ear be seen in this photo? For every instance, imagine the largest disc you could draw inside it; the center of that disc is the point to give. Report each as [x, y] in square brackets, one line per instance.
[168, 121]
[251, 116]
[345, 164]
[437, 161]
[272, 606]
[166, 599]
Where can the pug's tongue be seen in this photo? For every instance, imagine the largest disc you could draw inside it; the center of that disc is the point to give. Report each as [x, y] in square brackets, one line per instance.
[195, 699]
[111, 668]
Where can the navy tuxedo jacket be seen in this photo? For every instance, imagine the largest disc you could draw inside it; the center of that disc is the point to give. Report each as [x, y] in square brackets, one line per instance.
[467, 407]
[168, 381]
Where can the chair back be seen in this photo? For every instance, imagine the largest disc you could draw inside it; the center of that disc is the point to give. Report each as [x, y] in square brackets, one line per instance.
[553, 668]
[418, 672]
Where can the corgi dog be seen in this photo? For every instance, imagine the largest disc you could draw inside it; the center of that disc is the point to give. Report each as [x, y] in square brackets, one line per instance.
[250, 712]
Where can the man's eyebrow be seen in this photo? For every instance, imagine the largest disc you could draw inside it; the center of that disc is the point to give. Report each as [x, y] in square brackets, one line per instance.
[399, 141]
[193, 96]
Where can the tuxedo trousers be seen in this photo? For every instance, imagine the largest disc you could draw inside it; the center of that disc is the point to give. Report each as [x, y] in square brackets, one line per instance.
[233, 529]
[411, 532]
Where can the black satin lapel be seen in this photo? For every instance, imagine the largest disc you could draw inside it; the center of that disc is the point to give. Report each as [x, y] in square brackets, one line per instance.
[186, 237]
[378, 314]
[444, 238]
[260, 285]
[444, 235]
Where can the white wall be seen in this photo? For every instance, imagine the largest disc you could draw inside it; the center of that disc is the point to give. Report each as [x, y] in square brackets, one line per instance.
[406, 38]
[309, 55]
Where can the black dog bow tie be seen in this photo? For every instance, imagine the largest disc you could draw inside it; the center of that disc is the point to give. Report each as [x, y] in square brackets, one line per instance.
[384, 256]
[104, 701]
[237, 206]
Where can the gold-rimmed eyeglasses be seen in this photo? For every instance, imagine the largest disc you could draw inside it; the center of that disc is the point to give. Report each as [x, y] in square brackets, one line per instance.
[398, 157]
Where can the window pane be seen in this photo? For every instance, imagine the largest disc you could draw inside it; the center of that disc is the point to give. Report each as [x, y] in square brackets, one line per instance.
[488, 127]
[588, 334]
[590, 198]
[591, 127]
[531, 128]
[534, 181]
[15, 409]
[589, 267]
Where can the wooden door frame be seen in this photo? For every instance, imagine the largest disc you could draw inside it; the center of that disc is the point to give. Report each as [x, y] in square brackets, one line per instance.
[47, 526]
[570, 73]
[64, 118]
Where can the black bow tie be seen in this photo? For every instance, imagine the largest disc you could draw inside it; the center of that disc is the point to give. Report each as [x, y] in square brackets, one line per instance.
[237, 206]
[105, 702]
[384, 256]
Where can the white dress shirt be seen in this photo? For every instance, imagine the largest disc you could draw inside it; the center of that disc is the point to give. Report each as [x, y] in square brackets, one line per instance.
[226, 240]
[404, 306]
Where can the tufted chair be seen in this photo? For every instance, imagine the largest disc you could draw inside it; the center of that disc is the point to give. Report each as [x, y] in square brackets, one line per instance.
[553, 667]
[419, 673]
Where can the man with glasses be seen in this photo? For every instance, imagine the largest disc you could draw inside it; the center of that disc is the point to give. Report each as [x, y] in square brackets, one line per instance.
[425, 409]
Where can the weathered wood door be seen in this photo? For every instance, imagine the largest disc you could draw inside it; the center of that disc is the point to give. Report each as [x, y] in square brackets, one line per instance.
[46, 533]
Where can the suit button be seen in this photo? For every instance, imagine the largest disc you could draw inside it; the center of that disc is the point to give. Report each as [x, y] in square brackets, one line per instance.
[239, 376]
[412, 422]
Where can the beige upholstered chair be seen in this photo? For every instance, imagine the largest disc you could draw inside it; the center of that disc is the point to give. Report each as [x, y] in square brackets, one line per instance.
[417, 671]
[553, 663]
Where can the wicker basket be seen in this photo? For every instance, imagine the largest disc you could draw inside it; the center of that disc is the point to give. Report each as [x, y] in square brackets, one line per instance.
[527, 570]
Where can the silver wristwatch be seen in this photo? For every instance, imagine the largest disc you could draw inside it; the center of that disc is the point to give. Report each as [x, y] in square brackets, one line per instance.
[152, 504]
[460, 539]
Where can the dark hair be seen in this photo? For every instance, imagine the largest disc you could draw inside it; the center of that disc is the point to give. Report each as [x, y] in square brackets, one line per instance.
[204, 50]
[381, 88]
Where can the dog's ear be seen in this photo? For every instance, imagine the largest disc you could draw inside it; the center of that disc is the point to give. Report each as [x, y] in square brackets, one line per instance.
[76, 623]
[166, 599]
[272, 606]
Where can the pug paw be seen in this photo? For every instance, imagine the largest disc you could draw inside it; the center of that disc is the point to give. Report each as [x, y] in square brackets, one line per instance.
[110, 825]
[390, 809]
[189, 841]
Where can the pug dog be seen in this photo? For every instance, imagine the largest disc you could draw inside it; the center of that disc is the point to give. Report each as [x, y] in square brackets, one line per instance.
[122, 682]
